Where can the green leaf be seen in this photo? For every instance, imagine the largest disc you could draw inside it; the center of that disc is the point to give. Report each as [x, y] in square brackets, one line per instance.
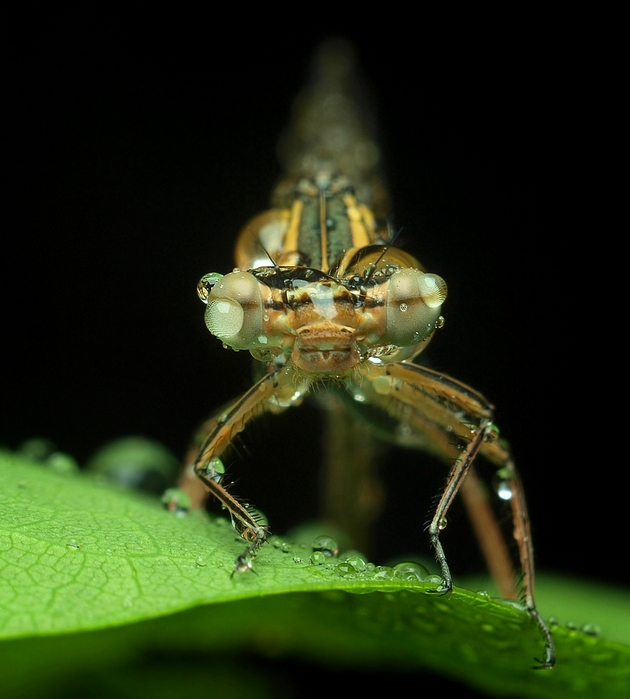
[81, 561]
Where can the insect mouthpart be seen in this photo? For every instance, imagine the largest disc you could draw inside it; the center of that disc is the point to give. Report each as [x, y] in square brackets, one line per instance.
[326, 348]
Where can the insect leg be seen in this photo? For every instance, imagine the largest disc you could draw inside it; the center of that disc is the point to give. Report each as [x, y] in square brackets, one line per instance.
[188, 480]
[488, 533]
[449, 419]
[224, 428]
[523, 537]
[441, 415]
[434, 413]
[455, 478]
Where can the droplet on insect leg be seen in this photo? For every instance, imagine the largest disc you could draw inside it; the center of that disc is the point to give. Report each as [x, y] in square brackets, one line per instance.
[214, 470]
[492, 433]
[504, 490]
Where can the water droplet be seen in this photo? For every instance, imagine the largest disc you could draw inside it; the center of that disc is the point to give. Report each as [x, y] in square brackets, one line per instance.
[403, 307]
[443, 524]
[280, 544]
[205, 285]
[297, 559]
[355, 559]
[73, 545]
[62, 463]
[200, 562]
[346, 570]
[403, 431]
[383, 573]
[243, 563]
[326, 544]
[435, 580]
[37, 449]
[318, 558]
[136, 462]
[504, 490]
[176, 501]
[492, 433]
[410, 571]
[382, 385]
[591, 630]
[214, 470]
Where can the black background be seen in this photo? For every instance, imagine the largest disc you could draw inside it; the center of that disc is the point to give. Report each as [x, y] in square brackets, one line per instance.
[133, 162]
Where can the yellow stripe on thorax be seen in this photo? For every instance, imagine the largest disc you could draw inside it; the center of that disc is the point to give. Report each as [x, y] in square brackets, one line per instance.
[361, 222]
[323, 233]
[293, 232]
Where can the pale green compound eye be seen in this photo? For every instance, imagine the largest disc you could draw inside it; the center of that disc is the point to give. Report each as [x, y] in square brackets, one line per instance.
[414, 300]
[432, 289]
[224, 318]
[235, 311]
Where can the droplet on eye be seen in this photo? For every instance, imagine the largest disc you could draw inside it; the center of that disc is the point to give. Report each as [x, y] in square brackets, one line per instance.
[206, 283]
[224, 317]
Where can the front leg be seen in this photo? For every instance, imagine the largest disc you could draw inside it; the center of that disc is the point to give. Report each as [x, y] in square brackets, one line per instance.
[276, 390]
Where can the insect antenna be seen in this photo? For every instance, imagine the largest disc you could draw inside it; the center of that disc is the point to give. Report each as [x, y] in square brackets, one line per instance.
[259, 242]
[371, 268]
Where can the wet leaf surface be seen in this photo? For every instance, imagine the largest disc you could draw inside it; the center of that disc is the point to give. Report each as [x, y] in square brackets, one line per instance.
[94, 579]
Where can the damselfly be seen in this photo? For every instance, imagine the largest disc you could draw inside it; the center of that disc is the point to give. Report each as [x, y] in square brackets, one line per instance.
[322, 299]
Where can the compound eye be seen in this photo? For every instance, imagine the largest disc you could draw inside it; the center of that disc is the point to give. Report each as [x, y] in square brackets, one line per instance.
[414, 301]
[235, 311]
